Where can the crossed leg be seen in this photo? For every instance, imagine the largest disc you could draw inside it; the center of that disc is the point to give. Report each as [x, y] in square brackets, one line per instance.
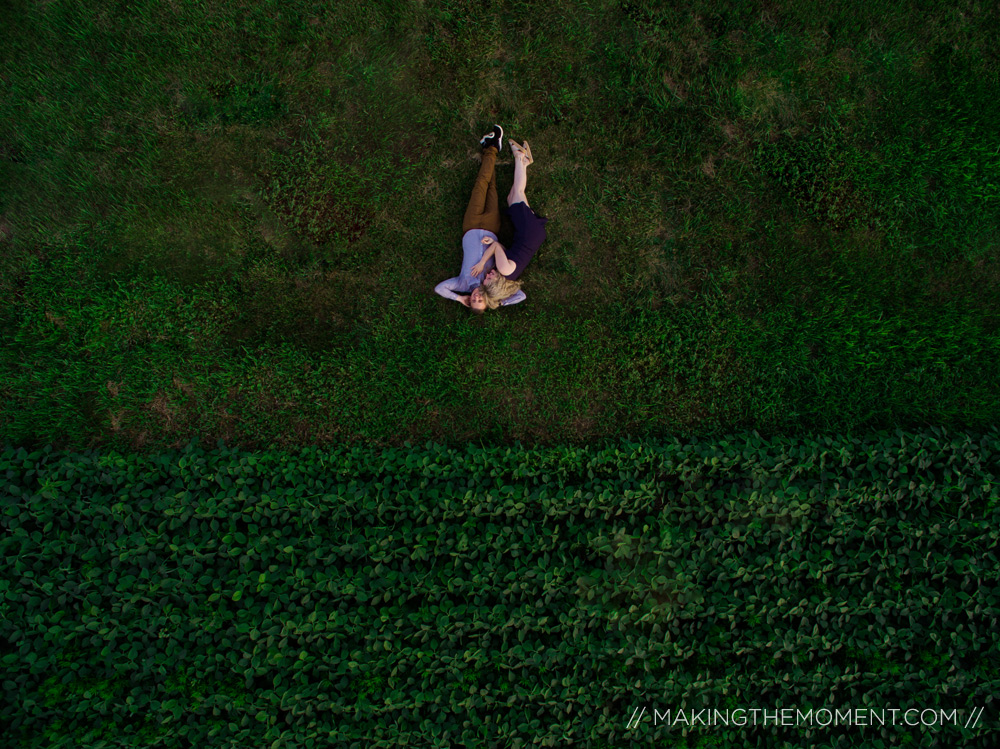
[483, 211]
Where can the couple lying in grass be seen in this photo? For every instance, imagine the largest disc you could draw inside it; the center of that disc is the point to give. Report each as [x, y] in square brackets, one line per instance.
[490, 271]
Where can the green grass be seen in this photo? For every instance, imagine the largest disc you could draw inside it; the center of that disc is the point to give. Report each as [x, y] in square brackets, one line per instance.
[227, 221]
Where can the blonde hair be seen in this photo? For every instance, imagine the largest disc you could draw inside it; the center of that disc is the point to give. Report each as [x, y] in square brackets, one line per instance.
[498, 290]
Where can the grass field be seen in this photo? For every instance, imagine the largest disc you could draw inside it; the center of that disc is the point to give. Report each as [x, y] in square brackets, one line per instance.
[226, 220]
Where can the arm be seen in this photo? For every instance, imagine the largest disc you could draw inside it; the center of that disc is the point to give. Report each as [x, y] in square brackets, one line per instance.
[504, 266]
[446, 289]
[515, 298]
[478, 268]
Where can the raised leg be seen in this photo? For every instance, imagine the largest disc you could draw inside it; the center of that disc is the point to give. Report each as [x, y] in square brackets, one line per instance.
[516, 194]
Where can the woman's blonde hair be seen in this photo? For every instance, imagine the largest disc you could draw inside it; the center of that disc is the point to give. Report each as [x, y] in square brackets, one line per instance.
[498, 290]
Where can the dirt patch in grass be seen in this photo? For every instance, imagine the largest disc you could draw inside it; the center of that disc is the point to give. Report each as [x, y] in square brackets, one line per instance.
[765, 98]
[162, 407]
[708, 166]
[677, 89]
[736, 134]
[976, 282]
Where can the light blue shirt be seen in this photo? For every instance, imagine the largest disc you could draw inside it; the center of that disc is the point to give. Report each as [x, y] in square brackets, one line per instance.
[465, 282]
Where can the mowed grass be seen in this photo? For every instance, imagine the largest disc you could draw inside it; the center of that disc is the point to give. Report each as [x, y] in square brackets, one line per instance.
[225, 220]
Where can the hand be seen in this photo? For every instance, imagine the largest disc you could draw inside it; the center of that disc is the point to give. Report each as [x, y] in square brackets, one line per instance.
[463, 300]
[478, 268]
[487, 241]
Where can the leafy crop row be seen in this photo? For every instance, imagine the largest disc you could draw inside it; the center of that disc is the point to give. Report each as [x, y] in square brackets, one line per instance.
[502, 596]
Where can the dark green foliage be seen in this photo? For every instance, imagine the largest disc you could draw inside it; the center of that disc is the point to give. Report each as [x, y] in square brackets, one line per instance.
[511, 596]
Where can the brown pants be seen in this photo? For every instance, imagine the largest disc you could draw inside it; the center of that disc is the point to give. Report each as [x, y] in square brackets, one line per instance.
[484, 211]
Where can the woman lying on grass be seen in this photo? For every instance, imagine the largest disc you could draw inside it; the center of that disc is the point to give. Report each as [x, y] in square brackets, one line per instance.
[529, 227]
[480, 225]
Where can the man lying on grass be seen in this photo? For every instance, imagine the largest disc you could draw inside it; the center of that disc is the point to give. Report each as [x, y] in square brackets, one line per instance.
[493, 282]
